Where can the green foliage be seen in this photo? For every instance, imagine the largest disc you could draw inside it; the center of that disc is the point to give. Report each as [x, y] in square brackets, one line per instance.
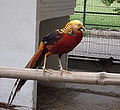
[118, 1]
[117, 10]
[109, 2]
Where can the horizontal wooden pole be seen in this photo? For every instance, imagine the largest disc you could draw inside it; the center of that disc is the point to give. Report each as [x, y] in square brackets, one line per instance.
[101, 78]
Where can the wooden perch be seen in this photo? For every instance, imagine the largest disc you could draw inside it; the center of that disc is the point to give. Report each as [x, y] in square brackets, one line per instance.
[101, 78]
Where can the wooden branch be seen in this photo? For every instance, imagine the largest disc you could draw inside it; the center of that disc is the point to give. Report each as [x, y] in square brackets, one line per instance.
[100, 78]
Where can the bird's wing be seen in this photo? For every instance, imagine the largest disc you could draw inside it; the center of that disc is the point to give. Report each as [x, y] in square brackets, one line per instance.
[51, 38]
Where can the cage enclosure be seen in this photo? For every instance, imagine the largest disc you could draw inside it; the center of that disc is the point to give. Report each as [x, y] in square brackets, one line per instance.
[100, 48]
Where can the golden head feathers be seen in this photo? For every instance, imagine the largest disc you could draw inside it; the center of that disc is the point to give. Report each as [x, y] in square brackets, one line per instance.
[73, 25]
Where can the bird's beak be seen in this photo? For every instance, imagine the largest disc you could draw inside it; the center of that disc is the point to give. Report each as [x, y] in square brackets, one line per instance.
[82, 29]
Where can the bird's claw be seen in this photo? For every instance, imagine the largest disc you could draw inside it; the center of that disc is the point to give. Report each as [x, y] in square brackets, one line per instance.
[63, 71]
[45, 70]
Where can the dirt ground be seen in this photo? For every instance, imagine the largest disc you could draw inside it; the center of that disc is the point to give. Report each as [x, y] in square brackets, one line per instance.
[51, 98]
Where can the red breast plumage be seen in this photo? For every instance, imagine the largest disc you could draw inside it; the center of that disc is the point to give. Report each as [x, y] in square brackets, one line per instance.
[66, 44]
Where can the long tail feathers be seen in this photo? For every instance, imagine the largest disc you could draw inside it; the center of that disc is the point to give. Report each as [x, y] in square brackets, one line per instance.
[33, 63]
[17, 86]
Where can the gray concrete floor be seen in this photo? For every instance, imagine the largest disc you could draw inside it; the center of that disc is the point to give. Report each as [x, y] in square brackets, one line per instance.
[52, 98]
[79, 96]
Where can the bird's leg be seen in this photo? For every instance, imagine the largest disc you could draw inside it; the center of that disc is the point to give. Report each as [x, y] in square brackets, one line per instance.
[60, 63]
[44, 62]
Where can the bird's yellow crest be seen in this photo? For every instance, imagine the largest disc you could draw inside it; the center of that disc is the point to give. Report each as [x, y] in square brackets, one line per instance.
[72, 26]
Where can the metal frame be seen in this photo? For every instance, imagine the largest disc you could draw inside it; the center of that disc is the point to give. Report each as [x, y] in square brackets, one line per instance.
[84, 13]
[99, 13]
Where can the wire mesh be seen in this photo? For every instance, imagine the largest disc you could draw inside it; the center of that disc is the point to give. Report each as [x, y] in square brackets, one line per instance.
[97, 15]
[102, 38]
[99, 44]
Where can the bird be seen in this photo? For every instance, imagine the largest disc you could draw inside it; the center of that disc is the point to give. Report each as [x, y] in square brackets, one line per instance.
[58, 42]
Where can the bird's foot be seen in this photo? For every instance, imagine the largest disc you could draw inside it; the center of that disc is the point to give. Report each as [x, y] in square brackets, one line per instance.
[63, 71]
[46, 71]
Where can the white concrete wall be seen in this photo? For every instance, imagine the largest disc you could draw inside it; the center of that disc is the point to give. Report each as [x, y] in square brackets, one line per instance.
[17, 44]
[55, 8]
[18, 37]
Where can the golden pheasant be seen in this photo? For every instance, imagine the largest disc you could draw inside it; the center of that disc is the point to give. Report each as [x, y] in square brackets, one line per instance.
[57, 42]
